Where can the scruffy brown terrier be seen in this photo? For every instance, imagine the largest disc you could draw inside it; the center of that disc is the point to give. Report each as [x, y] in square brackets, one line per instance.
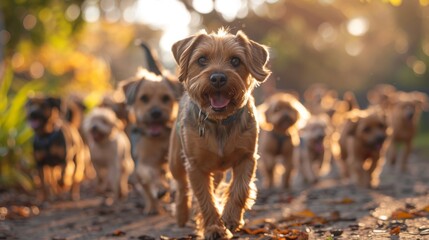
[282, 116]
[58, 148]
[216, 128]
[110, 151]
[404, 116]
[361, 143]
[153, 103]
[314, 153]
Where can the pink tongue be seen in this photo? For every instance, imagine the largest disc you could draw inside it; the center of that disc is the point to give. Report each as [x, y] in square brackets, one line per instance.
[34, 123]
[155, 129]
[218, 101]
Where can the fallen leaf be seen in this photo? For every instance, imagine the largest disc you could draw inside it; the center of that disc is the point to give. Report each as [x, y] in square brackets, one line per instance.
[395, 231]
[304, 214]
[118, 233]
[256, 231]
[401, 214]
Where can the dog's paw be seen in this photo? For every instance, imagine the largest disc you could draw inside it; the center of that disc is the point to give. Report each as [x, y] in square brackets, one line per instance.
[232, 224]
[217, 232]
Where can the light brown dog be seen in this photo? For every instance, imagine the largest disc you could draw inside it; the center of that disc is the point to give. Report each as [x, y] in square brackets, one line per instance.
[404, 116]
[153, 103]
[314, 153]
[110, 151]
[216, 128]
[361, 143]
[282, 116]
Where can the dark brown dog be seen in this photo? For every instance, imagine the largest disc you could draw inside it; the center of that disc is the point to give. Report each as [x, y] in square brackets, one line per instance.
[216, 128]
[361, 143]
[404, 116]
[58, 147]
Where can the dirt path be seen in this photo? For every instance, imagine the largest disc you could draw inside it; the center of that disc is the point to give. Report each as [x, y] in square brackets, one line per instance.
[329, 210]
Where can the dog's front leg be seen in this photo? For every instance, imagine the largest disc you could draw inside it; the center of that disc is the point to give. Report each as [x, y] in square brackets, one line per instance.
[202, 185]
[241, 193]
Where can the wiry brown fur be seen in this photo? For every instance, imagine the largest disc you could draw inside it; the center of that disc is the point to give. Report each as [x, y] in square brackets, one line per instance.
[361, 143]
[195, 158]
[153, 103]
[404, 116]
[282, 113]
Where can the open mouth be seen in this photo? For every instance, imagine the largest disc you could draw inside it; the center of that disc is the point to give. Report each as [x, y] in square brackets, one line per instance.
[35, 123]
[218, 102]
[155, 129]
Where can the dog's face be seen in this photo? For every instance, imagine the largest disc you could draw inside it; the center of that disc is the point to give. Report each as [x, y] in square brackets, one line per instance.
[406, 107]
[42, 110]
[370, 128]
[153, 103]
[219, 70]
[315, 131]
[101, 124]
[281, 112]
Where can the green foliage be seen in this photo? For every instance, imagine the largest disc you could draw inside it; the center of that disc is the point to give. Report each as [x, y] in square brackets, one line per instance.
[15, 135]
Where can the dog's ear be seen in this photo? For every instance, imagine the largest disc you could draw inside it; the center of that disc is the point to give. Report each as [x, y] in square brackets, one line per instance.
[54, 102]
[130, 88]
[175, 85]
[182, 51]
[421, 99]
[257, 56]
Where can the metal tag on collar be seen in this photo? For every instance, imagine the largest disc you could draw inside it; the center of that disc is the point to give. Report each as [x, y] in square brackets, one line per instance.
[201, 124]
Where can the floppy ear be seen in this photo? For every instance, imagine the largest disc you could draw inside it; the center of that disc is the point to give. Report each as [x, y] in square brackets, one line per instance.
[130, 88]
[175, 85]
[182, 51]
[422, 100]
[256, 57]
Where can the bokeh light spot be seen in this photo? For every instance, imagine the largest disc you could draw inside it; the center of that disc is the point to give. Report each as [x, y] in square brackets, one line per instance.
[358, 26]
[72, 12]
[203, 6]
[419, 67]
[36, 70]
[29, 22]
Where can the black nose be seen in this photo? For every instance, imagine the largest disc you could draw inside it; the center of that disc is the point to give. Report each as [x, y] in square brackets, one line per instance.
[155, 113]
[94, 128]
[380, 138]
[218, 79]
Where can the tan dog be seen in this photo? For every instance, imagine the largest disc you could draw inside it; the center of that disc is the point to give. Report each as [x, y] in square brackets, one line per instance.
[404, 117]
[216, 128]
[110, 151]
[58, 148]
[361, 143]
[153, 103]
[282, 116]
[314, 153]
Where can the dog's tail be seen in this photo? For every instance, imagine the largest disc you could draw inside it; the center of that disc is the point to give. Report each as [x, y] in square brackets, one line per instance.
[153, 63]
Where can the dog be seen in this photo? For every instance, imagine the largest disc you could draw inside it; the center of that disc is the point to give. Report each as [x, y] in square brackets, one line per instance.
[216, 129]
[313, 154]
[361, 144]
[110, 151]
[404, 116]
[58, 148]
[282, 115]
[154, 105]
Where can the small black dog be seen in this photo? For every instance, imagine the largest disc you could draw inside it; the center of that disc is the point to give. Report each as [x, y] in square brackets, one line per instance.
[58, 148]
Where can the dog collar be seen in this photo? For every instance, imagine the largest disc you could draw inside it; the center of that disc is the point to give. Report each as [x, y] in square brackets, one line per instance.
[203, 117]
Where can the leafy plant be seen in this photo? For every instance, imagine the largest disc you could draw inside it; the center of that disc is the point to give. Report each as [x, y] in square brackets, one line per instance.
[15, 135]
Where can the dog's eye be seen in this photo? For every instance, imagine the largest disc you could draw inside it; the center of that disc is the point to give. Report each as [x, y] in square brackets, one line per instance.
[144, 98]
[235, 61]
[366, 129]
[381, 125]
[202, 61]
[165, 99]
